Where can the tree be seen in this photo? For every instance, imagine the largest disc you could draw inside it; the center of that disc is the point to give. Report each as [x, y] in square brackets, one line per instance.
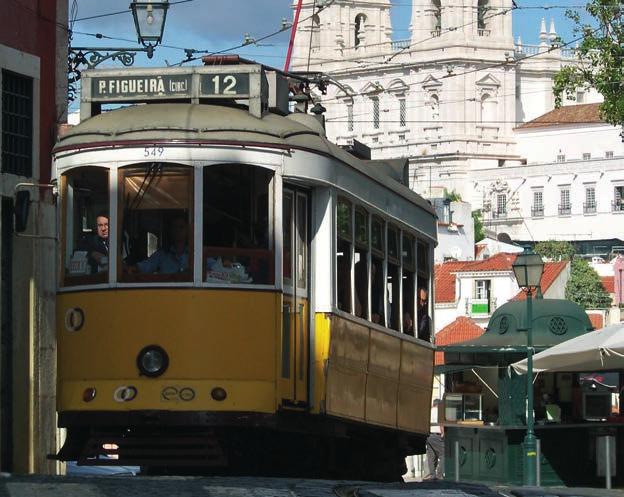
[477, 219]
[453, 196]
[601, 59]
[553, 250]
[585, 288]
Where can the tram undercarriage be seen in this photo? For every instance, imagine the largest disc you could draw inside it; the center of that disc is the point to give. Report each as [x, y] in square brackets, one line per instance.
[288, 444]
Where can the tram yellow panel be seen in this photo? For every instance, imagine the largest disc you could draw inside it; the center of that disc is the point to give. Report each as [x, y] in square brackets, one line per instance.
[381, 400]
[218, 334]
[416, 364]
[414, 410]
[171, 395]
[346, 393]
[385, 352]
[321, 353]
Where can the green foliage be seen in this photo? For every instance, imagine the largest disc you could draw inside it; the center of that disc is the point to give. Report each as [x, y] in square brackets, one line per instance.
[555, 250]
[479, 232]
[601, 51]
[453, 196]
[585, 288]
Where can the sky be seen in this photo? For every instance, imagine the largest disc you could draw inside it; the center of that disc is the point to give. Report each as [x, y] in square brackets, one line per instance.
[216, 25]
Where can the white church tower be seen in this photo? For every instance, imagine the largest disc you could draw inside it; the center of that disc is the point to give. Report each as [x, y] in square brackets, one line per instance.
[448, 98]
[339, 30]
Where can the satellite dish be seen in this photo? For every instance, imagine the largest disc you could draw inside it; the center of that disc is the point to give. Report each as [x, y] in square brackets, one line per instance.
[504, 238]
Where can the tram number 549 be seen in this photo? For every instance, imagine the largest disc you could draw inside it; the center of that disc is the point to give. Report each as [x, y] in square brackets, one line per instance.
[153, 152]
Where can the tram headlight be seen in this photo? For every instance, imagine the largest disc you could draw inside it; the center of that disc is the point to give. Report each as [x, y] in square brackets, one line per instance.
[152, 361]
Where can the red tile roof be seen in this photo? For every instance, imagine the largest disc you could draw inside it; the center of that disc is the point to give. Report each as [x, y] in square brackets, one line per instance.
[608, 282]
[596, 320]
[445, 280]
[460, 330]
[552, 270]
[445, 273]
[568, 114]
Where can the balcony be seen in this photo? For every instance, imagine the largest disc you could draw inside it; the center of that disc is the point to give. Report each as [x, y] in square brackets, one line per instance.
[436, 33]
[617, 206]
[589, 208]
[537, 211]
[565, 209]
[480, 307]
[499, 214]
[483, 32]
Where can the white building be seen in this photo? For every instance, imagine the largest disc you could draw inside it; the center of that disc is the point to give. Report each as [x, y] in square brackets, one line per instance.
[454, 99]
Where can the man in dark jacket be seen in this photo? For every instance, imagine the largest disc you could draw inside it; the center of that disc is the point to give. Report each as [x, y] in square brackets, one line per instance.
[424, 321]
[97, 244]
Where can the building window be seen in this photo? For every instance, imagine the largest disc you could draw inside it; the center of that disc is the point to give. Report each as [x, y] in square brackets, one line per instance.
[375, 113]
[436, 27]
[589, 207]
[538, 203]
[360, 19]
[315, 37]
[618, 199]
[402, 113]
[401, 138]
[501, 205]
[580, 97]
[560, 158]
[350, 117]
[609, 154]
[482, 9]
[586, 156]
[17, 123]
[434, 108]
[481, 299]
[488, 109]
[564, 204]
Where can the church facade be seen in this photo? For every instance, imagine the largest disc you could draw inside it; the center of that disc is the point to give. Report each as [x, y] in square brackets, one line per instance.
[451, 98]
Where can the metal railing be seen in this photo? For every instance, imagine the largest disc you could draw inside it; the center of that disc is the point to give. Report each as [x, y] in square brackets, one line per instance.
[617, 206]
[589, 207]
[480, 307]
[537, 211]
[565, 209]
[499, 214]
[436, 33]
[483, 32]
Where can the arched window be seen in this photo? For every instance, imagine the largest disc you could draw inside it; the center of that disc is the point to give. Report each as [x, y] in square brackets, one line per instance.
[488, 109]
[360, 19]
[434, 108]
[437, 16]
[482, 9]
[315, 36]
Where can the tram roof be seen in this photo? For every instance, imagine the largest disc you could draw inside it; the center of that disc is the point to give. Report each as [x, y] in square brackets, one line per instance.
[218, 124]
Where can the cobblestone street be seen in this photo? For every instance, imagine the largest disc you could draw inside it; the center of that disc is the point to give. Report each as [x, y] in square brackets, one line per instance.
[224, 487]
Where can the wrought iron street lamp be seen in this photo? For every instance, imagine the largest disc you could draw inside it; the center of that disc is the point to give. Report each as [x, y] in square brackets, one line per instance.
[149, 22]
[528, 269]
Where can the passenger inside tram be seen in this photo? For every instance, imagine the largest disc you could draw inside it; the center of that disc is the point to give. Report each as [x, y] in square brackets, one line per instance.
[170, 259]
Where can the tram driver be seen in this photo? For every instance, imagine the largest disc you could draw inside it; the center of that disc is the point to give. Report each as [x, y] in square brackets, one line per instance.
[96, 245]
[172, 259]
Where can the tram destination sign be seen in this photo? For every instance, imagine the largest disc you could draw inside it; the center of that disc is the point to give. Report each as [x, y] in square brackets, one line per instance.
[133, 86]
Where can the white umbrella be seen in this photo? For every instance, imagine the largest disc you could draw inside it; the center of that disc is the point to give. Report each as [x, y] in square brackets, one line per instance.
[601, 350]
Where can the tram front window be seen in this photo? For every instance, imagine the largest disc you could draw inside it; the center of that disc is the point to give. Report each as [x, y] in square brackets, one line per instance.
[238, 246]
[85, 227]
[155, 223]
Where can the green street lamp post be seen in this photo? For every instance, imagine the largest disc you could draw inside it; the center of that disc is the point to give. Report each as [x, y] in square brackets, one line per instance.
[528, 268]
[149, 22]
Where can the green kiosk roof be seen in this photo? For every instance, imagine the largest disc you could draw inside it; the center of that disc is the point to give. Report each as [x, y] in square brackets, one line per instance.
[554, 321]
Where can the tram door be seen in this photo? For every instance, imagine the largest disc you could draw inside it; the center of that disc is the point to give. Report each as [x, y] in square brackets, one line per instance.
[296, 303]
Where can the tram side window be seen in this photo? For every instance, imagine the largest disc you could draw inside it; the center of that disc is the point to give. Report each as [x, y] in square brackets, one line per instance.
[393, 282]
[155, 223]
[378, 247]
[238, 247]
[423, 317]
[361, 263]
[343, 254]
[86, 226]
[409, 282]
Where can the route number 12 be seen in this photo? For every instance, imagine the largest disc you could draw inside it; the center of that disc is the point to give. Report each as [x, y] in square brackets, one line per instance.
[228, 82]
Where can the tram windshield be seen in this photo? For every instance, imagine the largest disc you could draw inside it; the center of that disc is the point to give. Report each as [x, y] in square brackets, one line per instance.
[86, 226]
[155, 216]
[237, 231]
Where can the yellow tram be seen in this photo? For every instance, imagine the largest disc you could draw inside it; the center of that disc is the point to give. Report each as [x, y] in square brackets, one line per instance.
[235, 290]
